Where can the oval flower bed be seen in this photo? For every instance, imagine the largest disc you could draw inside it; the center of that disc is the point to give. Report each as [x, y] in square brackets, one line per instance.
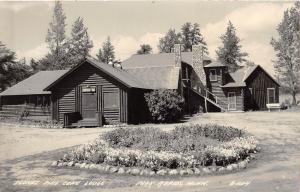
[185, 149]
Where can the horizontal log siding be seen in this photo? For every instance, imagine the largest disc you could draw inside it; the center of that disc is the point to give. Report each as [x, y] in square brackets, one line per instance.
[239, 93]
[259, 81]
[87, 74]
[66, 102]
[111, 114]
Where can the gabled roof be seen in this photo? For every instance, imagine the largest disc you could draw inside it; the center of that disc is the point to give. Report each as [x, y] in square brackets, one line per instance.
[35, 84]
[241, 75]
[215, 64]
[157, 77]
[118, 74]
[157, 60]
[157, 71]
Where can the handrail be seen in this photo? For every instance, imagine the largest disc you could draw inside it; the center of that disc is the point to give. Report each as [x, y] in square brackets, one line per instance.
[216, 98]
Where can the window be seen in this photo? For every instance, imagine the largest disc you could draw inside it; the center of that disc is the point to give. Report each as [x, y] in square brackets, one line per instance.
[111, 99]
[213, 74]
[231, 101]
[271, 95]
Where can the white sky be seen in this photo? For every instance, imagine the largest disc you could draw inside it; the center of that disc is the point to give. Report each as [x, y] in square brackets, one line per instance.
[23, 25]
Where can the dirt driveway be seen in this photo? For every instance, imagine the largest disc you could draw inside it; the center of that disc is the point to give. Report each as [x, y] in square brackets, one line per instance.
[27, 152]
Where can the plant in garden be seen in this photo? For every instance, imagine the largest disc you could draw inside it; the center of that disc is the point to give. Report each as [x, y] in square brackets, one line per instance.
[165, 105]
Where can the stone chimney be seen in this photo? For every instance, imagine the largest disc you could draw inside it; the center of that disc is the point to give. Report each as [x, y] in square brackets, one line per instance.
[197, 54]
[177, 53]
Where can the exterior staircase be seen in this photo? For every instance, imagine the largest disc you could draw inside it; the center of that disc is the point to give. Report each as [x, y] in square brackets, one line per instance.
[211, 98]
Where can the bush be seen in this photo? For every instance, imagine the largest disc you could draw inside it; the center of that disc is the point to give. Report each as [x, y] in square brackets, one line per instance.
[165, 105]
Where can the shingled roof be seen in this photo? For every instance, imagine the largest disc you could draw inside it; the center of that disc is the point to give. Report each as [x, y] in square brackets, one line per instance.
[35, 84]
[157, 71]
[241, 75]
[157, 77]
[157, 60]
[116, 73]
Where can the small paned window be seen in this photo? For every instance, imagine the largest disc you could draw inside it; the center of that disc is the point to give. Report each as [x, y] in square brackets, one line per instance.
[213, 74]
[111, 99]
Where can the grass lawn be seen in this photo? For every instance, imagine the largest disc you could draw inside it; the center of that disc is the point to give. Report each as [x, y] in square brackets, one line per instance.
[27, 152]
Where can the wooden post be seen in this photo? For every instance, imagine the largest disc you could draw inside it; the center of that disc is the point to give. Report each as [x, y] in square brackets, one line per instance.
[205, 105]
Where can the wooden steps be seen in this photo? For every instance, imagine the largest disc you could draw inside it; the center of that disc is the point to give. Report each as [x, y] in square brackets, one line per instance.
[86, 123]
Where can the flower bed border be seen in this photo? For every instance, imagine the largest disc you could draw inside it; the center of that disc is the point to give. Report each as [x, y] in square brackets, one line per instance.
[161, 172]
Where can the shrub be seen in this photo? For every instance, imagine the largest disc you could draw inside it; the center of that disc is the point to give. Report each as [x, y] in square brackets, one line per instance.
[165, 105]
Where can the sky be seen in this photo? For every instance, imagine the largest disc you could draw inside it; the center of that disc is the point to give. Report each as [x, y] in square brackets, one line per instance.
[23, 25]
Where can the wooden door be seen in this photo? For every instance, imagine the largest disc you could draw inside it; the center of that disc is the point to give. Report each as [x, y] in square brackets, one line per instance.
[89, 103]
[231, 101]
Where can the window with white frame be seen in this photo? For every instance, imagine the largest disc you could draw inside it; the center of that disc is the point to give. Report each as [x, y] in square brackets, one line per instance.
[271, 95]
[213, 74]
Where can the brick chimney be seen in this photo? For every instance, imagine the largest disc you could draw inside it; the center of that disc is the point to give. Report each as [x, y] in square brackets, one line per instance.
[197, 54]
[177, 53]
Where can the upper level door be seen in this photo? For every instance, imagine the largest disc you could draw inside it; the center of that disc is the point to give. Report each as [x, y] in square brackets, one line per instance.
[231, 101]
[89, 102]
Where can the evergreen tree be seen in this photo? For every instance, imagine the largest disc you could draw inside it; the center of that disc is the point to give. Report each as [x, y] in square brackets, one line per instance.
[197, 38]
[287, 47]
[230, 53]
[56, 38]
[79, 44]
[186, 34]
[11, 71]
[166, 43]
[144, 49]
[107, 53]
[191, 36]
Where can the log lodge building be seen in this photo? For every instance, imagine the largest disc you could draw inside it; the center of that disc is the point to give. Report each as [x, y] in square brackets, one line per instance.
[92, 92]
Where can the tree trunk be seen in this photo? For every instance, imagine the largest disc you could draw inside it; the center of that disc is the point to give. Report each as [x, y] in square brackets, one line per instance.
[294, 102]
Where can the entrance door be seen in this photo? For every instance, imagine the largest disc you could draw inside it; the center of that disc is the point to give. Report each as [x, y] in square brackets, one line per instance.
[89, 102]
[231, 101]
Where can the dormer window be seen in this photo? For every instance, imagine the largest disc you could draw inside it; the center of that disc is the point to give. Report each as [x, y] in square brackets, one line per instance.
[213, 75]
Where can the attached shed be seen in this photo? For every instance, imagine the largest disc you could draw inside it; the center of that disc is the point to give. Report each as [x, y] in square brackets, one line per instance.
[92, 92]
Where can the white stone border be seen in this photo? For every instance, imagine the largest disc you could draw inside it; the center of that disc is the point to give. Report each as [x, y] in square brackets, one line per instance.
[147, 172]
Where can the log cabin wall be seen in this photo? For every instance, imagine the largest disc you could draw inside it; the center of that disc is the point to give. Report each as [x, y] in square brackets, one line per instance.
[256, 90]
[239, 98]
[67, 93]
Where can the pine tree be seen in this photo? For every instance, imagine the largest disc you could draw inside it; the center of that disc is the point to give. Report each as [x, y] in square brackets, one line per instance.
[11, 71]
[107, 53]
[197, 38]
[166, 43]
[191, 36]
[287, 47]
[144, 49]
[230, 53]
[56, 38]
[186, 34]
[79, 44]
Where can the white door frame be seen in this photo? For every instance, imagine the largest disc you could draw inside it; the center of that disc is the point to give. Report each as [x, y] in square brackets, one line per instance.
[234, 95]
